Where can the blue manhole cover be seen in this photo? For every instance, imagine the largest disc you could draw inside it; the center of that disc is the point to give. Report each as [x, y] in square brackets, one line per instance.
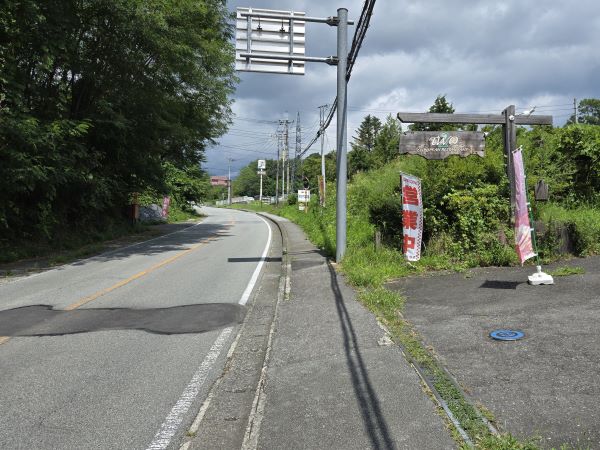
[507, 335]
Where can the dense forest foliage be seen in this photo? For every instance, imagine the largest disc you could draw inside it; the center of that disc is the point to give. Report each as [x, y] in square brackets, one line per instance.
[466, 200]
[103, 98]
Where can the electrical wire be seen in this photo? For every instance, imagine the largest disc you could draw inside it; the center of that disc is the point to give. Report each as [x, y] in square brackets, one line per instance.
[359, 36]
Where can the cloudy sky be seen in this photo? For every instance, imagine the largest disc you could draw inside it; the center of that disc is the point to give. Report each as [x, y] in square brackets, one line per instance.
[482, 54]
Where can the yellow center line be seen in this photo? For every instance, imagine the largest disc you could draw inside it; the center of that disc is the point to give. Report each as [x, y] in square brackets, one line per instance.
[89, 298]
[122, 283]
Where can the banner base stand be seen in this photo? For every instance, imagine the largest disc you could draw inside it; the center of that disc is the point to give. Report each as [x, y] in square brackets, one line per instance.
[540, 278]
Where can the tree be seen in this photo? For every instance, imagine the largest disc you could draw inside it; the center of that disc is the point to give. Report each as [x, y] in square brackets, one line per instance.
[248, 181]
[588, 112]
[387, 142]
[98, 96]
[360, 158]
[311, 168]
[578, 150]
[367, 133]
[440, 105]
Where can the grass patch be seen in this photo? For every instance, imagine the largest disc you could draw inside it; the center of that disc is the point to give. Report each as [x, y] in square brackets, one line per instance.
[566, 271]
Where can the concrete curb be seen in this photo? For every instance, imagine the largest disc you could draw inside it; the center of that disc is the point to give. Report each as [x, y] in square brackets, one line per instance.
[258, 405]
[252, 426]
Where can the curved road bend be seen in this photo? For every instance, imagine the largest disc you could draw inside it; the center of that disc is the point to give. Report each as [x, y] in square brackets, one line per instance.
[119, 350]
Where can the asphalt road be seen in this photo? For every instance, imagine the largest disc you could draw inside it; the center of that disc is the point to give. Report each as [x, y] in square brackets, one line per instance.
[119, 350]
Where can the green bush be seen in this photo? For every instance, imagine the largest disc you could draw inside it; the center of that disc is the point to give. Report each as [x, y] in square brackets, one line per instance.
[582, 224]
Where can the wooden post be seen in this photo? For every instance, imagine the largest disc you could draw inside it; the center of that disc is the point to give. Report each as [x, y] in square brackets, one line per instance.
[510, 143]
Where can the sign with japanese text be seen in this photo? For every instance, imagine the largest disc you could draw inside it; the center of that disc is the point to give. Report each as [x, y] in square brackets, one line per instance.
[412, 217]
[304, 195]
[441, 144]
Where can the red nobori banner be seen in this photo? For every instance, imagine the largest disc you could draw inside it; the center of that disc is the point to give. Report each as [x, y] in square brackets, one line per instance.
[412, 217]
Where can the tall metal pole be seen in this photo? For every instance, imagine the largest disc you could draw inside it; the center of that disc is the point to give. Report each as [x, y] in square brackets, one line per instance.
[321, 122]
[342, 171]
[277, 171]
[229, 180]
[283, 167]
[297, 154]
[287, 153]
[260, 193]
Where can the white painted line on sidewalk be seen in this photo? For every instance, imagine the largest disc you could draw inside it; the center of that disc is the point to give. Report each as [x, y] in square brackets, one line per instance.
[248, 291]
[163, 437]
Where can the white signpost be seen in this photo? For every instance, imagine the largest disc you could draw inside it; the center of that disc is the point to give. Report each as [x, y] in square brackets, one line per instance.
[303, 198]
[262, 165]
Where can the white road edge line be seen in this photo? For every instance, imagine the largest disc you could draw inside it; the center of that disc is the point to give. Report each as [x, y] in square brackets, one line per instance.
[248, 291]
[163, 437]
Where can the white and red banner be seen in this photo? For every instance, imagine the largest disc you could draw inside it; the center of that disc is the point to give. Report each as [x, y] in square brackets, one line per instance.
[165, 206]
[523, 241]
[412, 217]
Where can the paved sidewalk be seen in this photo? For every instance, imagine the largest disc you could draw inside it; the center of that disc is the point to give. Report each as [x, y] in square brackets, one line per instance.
[333, 379]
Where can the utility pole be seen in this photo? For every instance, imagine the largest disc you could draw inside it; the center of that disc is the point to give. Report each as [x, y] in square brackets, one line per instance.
[283, 165]
[321, 131]
[342, 160]
[285, 170]
[229, 160]
[277, 170]
[298, 151]
[287, 153]
[575, 109]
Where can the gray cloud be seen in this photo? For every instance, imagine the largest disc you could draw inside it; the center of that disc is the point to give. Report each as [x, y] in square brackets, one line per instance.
[483, 55]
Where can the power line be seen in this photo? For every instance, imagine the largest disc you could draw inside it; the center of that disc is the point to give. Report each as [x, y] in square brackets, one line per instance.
[359, 36]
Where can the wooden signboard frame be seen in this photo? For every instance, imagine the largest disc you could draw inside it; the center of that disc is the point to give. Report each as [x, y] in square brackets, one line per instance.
[441, 144]
[507, 119]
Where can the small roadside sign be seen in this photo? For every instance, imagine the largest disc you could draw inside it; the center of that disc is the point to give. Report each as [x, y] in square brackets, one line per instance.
[261, 172]
[303, 195]
[262, 164]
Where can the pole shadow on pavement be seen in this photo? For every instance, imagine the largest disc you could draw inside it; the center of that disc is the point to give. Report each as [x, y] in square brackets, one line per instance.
[373, 420]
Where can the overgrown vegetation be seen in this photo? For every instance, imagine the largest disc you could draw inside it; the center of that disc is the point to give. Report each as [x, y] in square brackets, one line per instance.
[99, 100]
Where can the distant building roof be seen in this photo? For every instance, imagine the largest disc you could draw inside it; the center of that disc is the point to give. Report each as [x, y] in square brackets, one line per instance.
[218, 180]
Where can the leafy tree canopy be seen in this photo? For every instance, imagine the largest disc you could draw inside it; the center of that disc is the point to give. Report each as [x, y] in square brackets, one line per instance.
[97, 96]
[440, 105]
[588, 112]
[367, 133]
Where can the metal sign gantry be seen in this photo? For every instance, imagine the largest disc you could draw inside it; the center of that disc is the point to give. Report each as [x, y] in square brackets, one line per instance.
[261, 47]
